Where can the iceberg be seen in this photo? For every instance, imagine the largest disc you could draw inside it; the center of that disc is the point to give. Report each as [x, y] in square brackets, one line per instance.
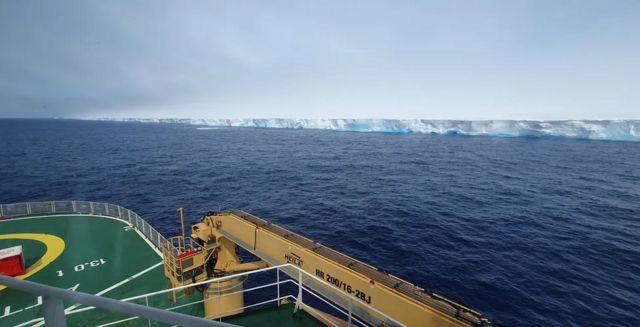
[619, 130]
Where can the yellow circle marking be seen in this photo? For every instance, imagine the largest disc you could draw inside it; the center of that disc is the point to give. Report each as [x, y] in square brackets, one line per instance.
[54, 244]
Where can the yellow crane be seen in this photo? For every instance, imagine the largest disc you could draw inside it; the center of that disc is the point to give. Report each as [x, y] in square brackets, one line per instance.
[211, 250]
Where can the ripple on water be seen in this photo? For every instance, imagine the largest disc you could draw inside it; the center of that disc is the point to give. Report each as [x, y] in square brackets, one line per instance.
[530, 231]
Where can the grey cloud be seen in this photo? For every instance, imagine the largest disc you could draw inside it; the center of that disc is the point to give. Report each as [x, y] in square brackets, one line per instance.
[437, 59]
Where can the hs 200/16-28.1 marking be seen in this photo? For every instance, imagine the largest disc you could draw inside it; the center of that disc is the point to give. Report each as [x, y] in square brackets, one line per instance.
[344, 286]
[82, 266]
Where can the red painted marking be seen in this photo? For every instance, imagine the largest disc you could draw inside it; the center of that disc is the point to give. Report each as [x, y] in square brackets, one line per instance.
[12, 262]
[186, 254]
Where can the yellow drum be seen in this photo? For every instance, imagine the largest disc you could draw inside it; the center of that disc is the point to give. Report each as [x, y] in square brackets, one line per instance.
[224, 298]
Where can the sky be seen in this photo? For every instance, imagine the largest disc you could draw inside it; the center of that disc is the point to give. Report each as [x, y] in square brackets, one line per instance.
[451, 59]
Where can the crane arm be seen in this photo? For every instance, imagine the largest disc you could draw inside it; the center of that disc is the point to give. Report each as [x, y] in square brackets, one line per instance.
[363, 283]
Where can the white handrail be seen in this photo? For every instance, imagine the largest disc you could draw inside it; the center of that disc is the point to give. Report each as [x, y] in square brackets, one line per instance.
[278, 267]
[213, 280]
[53, 305]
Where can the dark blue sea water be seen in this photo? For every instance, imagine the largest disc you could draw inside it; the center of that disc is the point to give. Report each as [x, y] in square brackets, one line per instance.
[530, 231]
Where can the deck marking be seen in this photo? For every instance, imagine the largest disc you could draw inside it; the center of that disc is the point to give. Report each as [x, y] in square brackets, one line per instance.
[120, 283]
[7, 309]
[118, 321]
[54, 244]
[129, 225]
[70, 310]
[153, 247]
[38, 302]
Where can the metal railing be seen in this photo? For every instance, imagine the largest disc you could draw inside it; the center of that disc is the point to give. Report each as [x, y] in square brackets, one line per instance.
[54, 312]
[350, 307]
[300, 281]
[16, 210]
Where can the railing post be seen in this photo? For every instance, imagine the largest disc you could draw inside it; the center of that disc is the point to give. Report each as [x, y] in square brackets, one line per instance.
[28, 208]
[73, 206]
[350, 312]
[53, 206]
[91, 206]
[119, 212]
[54, 312]
[278, 277]
[146, 301]
[299, 299]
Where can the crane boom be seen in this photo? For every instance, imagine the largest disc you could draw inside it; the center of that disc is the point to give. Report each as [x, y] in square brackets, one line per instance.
[363, 286]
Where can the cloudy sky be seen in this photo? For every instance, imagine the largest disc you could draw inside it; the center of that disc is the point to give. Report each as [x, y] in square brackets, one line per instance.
[519, 59]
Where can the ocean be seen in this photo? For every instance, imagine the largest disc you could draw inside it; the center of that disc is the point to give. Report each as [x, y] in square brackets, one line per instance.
[530, 231]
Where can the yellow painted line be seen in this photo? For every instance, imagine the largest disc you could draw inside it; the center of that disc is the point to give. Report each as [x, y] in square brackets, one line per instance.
[54, 244]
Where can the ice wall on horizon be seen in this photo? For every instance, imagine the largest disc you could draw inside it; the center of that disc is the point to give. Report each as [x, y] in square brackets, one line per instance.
[622, 130]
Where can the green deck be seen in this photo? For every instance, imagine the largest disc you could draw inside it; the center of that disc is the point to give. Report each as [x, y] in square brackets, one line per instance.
[99, 253]
[282, 316]
[107, 257]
